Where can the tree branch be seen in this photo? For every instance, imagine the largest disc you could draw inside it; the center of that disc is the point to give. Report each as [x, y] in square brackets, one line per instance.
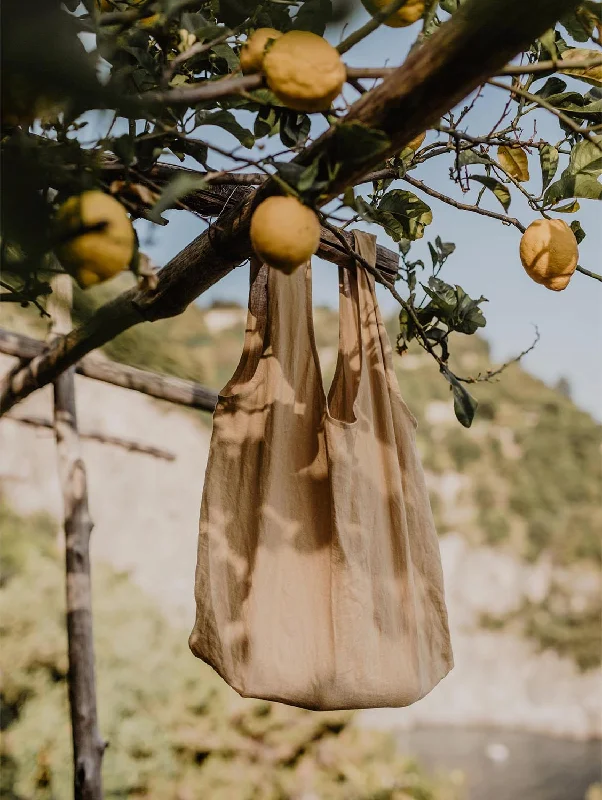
[463, 206]
[95, 436]
[539, 101]
[479, 39]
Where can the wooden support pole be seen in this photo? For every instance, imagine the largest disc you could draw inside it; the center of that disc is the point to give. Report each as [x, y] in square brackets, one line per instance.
[478, 41]
[88, 746]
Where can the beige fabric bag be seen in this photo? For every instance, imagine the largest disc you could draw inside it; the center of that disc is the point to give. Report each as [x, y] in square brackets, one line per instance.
[318, 580]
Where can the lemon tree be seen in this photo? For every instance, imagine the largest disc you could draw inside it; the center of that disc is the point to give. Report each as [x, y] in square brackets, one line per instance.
[269, 78]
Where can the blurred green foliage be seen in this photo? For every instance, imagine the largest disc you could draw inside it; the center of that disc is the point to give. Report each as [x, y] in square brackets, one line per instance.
[175, 730]
[555, 624]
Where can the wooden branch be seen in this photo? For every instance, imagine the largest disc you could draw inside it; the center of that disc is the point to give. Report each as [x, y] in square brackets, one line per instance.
[88, 746]
[95, 436]
[463, 206]
[164, 387]
[479, 39]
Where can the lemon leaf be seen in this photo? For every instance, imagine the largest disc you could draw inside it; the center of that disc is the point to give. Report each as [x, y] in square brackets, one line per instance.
[578, 231]
[178, 187]
[499, 190]
[591, 75]
[465, 405]
[569, 208]
[514, 160]
[403, 215]
[548, 157]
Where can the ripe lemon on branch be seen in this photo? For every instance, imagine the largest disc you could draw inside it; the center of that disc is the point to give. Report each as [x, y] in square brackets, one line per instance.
[97, 237]
[410, 12]
[253, 50]
[284, 233]
[304, 71]
[549, 253]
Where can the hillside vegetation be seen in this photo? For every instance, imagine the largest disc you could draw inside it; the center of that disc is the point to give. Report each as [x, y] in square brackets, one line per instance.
[530, 468]
[175, 730]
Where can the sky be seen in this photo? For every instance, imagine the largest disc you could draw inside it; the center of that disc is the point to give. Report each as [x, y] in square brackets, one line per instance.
[486, 261]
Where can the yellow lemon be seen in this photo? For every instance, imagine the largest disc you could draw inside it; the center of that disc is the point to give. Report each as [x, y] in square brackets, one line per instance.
[97, 237]
[304, 71]
[549, 253]
[284, 233]
[410, 12]
[253, 50]
[416, 143]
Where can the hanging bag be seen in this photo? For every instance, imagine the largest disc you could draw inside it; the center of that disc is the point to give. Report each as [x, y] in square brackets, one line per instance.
[318, 580]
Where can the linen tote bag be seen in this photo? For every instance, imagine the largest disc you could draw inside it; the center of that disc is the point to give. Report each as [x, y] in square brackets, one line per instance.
[318, 580]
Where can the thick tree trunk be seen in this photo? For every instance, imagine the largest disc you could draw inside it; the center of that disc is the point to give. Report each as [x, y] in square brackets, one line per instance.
[88, 747]
[481, 37]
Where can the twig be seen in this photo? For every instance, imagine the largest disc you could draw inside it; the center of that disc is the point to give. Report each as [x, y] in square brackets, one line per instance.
[208, 90]
[491, 373]
[370, 26]
[548, 66]
[463, 206]
[533, 98]
[593, 275]
[96, 436]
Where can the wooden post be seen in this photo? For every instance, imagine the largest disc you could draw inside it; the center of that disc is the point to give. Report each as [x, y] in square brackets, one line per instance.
[88, 746]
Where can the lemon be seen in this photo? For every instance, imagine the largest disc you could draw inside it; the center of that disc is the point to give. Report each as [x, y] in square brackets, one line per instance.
[304, 71]
[417, 141]
[101, 253]
[253, 50]
[549, 253]
[284, 233]
[410, 12]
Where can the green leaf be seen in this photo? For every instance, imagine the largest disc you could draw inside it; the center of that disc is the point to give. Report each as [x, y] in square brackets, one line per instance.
[578, 231]
[267, 122]
[313, 16]
[178, 187]
[499, 190]
[548, 157]
[465, 405]
[548, 40]
[307, 178]
[404, 215]
[227, 53]
[569, 208]
[454, 307]
[553, 86]
[578, 25]
[294, 128]
[227, 121]
[468, 157]
[579, 185]
[592, 112]
[356, 142]
[580, 178]
[586, 156]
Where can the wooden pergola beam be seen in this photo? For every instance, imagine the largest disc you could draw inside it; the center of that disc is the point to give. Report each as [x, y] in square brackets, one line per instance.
[479, 39]
[163, 387]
